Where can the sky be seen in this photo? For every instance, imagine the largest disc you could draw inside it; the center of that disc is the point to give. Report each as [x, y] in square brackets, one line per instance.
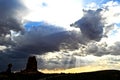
[62, 34]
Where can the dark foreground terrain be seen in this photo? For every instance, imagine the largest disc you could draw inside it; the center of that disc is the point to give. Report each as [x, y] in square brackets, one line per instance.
[98, 75]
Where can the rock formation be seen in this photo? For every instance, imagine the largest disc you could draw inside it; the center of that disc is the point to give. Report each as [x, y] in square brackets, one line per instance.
[31, 64]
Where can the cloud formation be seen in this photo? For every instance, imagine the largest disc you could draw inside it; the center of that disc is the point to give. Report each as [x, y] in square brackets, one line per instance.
[91, 24]
[11, 13]
[105, 62]
[43, 38]
[103, 52]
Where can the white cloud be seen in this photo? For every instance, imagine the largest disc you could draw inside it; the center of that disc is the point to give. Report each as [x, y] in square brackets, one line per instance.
[92, 6]
[59, 12]
[3, 48]
[112, 12]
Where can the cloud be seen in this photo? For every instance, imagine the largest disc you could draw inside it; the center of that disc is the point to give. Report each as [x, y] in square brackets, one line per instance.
[100, 25]
[91, 24]
[100, 31]
[62, 61]
[111, 15]
[115, 48]
[44, 38]
[11, 13]
[39, 40]
[18, 59]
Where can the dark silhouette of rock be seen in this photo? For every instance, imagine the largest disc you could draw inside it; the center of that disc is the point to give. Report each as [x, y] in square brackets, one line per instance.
[9, 68]
[31, 66]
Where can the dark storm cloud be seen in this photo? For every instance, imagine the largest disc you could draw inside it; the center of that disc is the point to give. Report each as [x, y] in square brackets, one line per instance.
[17, 59]
[91, 24]
[38, 40]
[11, 12]
[44, 38]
